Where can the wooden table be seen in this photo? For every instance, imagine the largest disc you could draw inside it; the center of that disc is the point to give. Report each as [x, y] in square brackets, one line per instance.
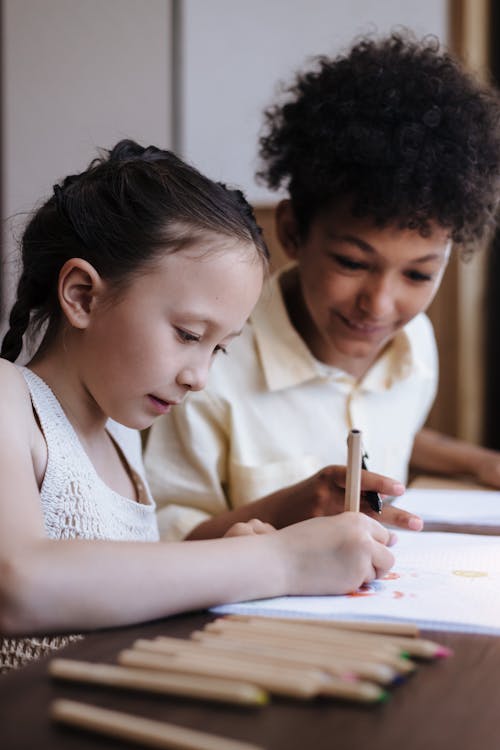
[452, 704]
[447, 705]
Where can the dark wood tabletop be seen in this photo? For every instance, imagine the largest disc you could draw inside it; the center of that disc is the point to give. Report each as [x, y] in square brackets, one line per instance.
[451, 704]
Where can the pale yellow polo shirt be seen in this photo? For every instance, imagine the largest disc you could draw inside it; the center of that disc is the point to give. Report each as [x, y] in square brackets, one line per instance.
[272, 415]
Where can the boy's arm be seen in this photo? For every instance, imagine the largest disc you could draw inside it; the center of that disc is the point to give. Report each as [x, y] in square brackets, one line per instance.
[186, 465]
[436, 453]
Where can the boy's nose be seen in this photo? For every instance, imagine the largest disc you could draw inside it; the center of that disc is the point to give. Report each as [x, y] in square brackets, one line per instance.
[377, 299]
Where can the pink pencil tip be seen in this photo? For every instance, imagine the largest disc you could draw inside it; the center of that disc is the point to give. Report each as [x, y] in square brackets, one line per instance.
[350, 676]
[442, 652]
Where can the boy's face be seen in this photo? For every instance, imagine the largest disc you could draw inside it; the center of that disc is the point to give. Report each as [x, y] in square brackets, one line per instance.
[360, 284]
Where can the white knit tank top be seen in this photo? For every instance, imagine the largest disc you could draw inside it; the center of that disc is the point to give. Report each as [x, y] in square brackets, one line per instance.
[76, 502]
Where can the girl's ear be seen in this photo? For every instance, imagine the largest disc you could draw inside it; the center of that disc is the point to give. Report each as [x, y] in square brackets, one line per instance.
[287, 228]
[78, 289]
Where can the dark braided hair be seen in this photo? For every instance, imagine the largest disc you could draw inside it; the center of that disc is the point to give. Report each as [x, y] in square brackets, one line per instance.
[397, 127]
[129, 207]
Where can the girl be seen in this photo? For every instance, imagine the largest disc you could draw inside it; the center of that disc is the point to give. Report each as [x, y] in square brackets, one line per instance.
[140, 271]
[389, 153]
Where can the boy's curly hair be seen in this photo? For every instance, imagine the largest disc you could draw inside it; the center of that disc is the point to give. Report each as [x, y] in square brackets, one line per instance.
[396, 125]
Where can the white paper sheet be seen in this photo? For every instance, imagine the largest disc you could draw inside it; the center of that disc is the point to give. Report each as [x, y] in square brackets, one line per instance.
[441, 581]
[474, 507]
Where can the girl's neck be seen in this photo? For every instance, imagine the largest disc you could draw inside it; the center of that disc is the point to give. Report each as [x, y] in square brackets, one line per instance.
[59, 369]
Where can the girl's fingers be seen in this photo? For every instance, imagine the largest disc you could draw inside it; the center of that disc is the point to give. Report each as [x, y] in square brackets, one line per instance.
[382, 560]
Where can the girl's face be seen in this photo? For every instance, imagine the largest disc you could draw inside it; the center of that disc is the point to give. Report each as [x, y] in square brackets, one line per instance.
[142, 353]
[360, 284]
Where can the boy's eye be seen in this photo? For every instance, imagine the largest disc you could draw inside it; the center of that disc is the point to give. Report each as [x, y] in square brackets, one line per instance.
[349, 263]
[186, 336]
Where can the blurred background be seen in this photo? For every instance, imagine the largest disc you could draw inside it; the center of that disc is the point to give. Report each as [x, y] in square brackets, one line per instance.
[195, 76]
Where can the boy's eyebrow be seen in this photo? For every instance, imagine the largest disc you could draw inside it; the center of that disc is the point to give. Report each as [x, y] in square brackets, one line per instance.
[367, 248]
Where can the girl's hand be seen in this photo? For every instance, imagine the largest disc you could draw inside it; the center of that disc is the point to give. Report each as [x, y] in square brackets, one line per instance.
[335, 555]
[323, 494]
[253, 526]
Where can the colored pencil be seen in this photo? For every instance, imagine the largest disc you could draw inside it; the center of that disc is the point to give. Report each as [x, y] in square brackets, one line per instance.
[353, 475]
[207, 688]
[139, 730]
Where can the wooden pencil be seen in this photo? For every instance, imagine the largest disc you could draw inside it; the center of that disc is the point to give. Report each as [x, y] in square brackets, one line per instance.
[410, 645]
[333, 664]
[345, 666]
[201, 687]
[407, 629]
[382, 654]
[294, 683]
[139, 730]
[353, 475]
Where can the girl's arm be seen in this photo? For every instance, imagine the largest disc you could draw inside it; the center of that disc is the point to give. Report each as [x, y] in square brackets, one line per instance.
[54, 585]
[436, 453]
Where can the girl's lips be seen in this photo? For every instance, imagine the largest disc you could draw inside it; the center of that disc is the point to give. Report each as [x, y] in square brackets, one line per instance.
[160, 406]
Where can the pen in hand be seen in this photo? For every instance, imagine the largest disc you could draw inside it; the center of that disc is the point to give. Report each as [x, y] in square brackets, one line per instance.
[373, 498]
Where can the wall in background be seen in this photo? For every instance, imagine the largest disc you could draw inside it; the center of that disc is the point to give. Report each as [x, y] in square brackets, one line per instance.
[77, 74]
[234, 54]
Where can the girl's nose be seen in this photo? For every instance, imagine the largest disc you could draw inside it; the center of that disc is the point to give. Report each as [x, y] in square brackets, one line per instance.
[194, 377]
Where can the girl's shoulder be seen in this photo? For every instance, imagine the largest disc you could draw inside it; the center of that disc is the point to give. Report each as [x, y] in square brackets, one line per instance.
[17, 420]
[14, 393]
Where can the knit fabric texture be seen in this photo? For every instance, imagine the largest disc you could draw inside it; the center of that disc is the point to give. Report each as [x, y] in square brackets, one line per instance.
[77, 504]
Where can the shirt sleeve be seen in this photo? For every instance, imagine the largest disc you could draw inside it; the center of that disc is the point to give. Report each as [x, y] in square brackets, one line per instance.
[186, 464]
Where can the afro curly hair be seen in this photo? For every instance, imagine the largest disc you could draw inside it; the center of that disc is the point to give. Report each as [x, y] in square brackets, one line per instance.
[399, 127]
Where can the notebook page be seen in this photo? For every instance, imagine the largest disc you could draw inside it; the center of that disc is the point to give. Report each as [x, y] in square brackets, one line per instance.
[440, 581]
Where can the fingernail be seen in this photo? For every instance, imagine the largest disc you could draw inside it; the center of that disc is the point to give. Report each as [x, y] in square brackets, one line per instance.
[392, 539]
[415, 523]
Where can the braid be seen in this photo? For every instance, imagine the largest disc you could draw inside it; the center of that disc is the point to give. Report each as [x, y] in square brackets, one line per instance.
[18, 322]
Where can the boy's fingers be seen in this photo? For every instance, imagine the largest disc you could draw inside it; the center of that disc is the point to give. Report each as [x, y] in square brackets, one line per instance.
[336, 475]
[401, 518]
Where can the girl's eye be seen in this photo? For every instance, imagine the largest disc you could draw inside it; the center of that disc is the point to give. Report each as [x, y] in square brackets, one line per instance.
[186, 336]
[418, 276]
[349, 263]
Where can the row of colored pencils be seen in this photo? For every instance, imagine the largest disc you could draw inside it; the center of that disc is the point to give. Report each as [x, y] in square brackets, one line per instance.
[242, 660]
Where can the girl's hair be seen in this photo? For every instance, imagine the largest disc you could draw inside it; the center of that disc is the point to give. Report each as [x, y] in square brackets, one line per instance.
[398, 127]
[129, 207]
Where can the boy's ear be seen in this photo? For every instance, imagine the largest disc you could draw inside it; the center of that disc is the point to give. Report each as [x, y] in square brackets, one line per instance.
[287, 228]
[78, 288]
